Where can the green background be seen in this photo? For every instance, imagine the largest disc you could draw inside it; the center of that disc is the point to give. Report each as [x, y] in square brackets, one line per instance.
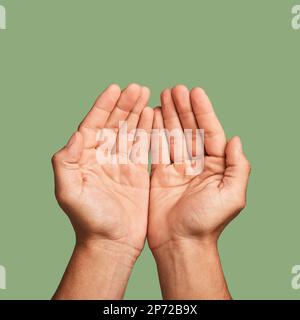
[56, 56]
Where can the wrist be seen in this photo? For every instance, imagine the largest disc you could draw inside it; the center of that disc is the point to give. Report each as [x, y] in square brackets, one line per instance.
[115, 251]
[186, 249]
[97, 270]
[190, 269]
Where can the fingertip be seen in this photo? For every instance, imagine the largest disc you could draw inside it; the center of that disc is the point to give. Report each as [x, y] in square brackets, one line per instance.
[179, 88]
[236, 141]
[109, 97]
[111, 94]
[198, 93]
[180, 95]
[165, 94]
[131, 94]
[146, 91]
[235, 154]
[145, 95]
[201, 103]
[114, 87]
[133, 87]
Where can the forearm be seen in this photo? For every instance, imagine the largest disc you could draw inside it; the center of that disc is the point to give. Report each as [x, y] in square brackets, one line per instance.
[97, 270]
[189, 269]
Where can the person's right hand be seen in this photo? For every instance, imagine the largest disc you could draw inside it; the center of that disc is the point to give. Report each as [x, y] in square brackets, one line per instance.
[110, 201]
[107, 202]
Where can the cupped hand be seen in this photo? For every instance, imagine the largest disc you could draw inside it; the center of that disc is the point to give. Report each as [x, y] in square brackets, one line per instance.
[106, 201]
[188, 207]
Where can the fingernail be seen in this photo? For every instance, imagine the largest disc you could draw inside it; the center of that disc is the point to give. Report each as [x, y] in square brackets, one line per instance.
[72, 140]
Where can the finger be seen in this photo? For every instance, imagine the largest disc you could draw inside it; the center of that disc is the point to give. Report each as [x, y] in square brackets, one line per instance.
[141, 144]
[133, 119]
[124, 106]
[159, 142]
[66, 166]
[103, 105]
[214, 136]
[178, 150]
[98, 115]
[237, 168]
[181, 97]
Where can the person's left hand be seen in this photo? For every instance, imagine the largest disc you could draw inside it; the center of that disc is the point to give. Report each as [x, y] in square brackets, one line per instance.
[106, 201]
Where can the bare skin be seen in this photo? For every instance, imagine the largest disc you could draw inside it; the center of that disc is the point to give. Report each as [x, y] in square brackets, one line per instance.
[188, 213]
[101, 200]
[108, 205]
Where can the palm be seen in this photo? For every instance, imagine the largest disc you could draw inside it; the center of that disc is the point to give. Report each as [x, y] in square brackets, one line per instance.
[106, 203]
[190, 206]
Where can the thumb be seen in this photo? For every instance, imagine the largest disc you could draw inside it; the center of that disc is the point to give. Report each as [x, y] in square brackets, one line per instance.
[237, 167]
[66, 165]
